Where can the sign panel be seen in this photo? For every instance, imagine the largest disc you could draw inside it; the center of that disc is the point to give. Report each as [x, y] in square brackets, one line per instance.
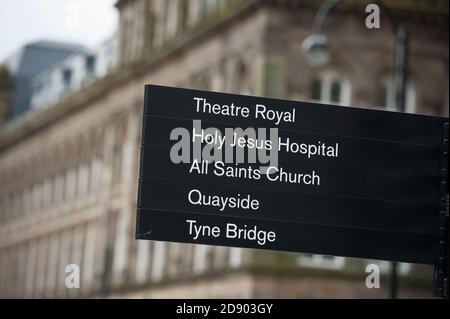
[233, 170]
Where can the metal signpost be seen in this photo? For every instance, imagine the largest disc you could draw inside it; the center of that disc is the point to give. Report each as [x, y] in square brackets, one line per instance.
[326, 180]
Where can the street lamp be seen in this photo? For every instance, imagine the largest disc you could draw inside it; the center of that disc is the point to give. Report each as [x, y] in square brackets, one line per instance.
[317, 52]
[316, 46]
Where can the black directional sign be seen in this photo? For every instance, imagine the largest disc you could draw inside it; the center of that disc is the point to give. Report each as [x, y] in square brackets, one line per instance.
[233, 170]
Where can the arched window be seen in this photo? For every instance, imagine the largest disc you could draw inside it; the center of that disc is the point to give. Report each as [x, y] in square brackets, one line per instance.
[203, 10]
[330, 87]
[208, 6]
[151, 27]
[211, 5]
[336, 92]
[241, 81]
[316, 90]
[386, 96]
[171, 18]
[183, 14]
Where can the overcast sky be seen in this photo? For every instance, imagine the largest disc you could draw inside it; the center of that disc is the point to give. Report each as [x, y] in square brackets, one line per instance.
[86, 22]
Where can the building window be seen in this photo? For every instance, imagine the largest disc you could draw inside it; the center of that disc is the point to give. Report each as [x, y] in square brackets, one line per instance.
[31, 263]
[67, 77]
[90, 65]
[330, 88]
[2, 210]
[241, 82]
[386, 96]
[143, 256]
[3, 216]
[321, 261]
[200, 253]
[183, 14]
[403, 269]
[171, 18]
[64, 253]
[37, 198]
[211, 5]
[335, 91]
[52, 265]
[174, 259]
[41, 265]
[47, 194]
[95, 176]
[149, 32]
[235, 260]
[70, 186]
[58, 193]
[83, 180]
[89, 254]
[316, 89]
[27, 202]
[203, 9]
[159, 258]
[120, 246]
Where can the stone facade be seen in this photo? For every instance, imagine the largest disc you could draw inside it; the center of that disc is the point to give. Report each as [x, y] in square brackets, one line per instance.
[68, 172]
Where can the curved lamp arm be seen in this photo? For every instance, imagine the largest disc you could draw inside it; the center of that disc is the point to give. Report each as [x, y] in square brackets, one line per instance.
[321, 15]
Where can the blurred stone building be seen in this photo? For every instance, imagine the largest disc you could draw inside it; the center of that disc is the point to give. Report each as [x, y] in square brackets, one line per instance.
[69, 169]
